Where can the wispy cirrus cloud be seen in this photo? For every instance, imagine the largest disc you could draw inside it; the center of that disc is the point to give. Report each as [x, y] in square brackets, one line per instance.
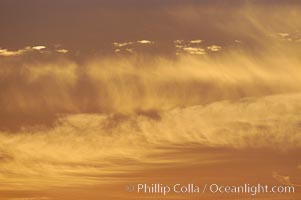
[76, 122]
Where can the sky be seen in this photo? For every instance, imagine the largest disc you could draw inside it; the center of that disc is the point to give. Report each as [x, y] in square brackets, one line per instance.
[93, 24]
[96, 95]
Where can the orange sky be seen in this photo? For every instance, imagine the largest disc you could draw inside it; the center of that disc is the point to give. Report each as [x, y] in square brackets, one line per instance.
[96, 95]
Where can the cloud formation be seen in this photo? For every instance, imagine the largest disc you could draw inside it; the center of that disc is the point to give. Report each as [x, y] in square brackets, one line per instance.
[109, 115]
[130, 84]
[69, 120]
[29, 50]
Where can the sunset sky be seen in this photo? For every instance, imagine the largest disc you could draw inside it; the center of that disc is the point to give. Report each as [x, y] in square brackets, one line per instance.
[99, 95]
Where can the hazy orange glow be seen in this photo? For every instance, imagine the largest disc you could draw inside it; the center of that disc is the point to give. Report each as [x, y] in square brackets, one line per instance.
[217, 102]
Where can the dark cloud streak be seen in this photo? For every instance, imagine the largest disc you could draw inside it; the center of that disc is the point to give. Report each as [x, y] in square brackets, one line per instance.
[94, 24]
